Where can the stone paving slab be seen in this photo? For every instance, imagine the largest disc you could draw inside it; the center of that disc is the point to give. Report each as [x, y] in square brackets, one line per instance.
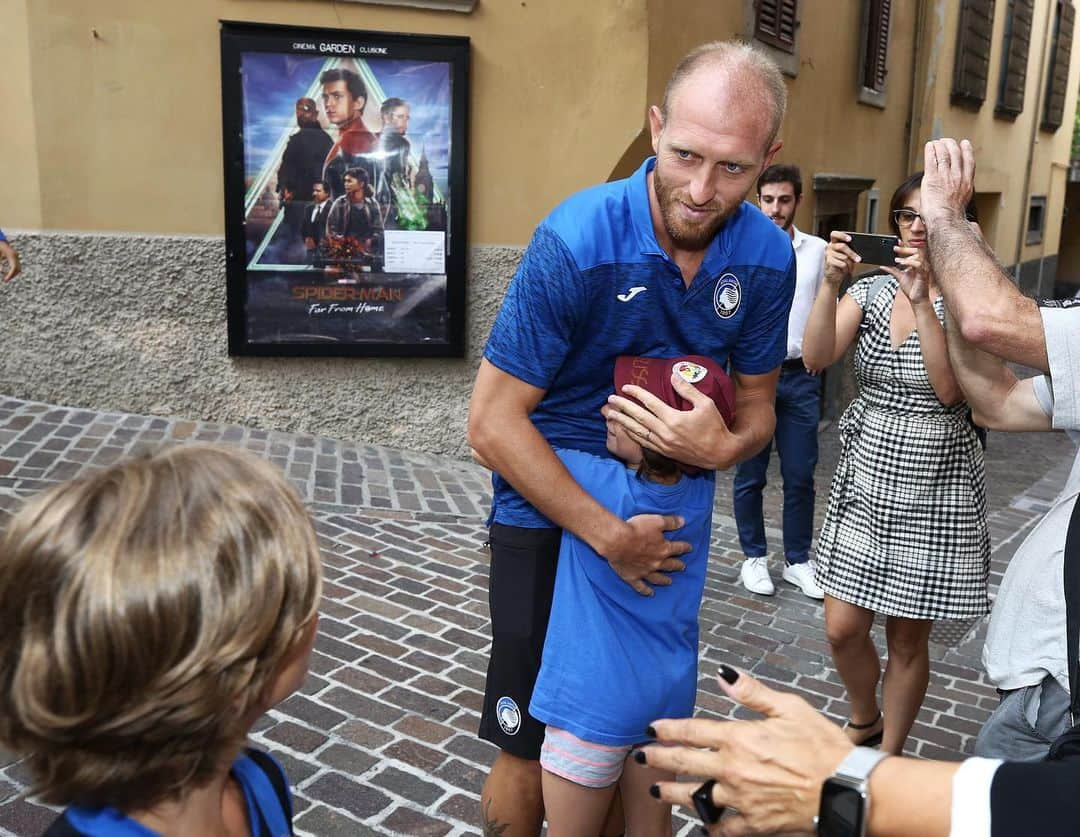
[381, 738]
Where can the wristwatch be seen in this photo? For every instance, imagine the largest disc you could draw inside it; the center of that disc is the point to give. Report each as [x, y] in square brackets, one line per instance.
[845, 796]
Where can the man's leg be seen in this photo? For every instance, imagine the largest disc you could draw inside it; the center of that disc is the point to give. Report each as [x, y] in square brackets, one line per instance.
[511, 800]
[798, 408]
[1025, 723]
[520, 587]
[749, 519]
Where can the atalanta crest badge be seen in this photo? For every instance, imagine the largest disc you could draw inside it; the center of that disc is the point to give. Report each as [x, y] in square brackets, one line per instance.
[508, 715]
[727, 297]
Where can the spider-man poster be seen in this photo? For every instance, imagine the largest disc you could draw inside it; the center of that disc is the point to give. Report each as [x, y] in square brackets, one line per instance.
[345, 191]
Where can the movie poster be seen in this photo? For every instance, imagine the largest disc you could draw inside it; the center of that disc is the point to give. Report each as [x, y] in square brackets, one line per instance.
[345, 191]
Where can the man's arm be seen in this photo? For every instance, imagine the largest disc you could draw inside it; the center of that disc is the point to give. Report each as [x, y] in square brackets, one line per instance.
[990, 311]
[998, 399]
[505, 439]
[699, 436]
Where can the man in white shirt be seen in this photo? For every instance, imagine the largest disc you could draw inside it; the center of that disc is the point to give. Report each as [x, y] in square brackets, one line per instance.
[798, 408]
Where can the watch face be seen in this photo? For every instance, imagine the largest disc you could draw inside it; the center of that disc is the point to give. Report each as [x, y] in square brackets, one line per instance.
[843, 810]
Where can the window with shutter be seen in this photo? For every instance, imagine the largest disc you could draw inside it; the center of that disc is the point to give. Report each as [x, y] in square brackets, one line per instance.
[876, 49]
[1054, 111]
[776, 23]
[1014, 58]
[972, 67]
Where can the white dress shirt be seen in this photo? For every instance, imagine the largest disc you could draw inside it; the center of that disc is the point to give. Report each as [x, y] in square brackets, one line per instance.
[809, 267]
[970, 810]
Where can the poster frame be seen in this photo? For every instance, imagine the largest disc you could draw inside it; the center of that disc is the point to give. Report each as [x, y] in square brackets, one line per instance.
[238, 38]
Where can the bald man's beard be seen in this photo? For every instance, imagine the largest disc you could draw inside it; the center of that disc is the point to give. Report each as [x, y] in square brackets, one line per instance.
[685, 234]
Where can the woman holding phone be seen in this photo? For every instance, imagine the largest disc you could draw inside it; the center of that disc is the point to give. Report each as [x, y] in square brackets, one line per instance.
[905, 534]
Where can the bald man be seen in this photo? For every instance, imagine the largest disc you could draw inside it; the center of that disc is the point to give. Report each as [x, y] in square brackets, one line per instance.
[671, 261]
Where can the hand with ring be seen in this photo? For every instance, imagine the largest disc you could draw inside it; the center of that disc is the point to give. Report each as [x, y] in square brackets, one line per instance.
[768, 772]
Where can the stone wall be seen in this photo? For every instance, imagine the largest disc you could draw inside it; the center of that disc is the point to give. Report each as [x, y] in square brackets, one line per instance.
[138, 324]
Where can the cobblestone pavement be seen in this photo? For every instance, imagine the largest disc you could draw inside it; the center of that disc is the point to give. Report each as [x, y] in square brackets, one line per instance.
[381, 740]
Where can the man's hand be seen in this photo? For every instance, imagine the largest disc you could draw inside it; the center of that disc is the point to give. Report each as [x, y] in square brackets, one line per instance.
[309, 243]
[698, 436]
[8, 254]
[949, 179]
[643, 554]
[504, 438]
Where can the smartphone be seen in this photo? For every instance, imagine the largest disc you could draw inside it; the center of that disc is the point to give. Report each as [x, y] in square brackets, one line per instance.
[874, 249]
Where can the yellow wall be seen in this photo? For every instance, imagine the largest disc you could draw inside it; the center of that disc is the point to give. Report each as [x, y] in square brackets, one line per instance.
[129, 120]
[121, 131]
[1004, 149]
[827, 129]
[20, 199]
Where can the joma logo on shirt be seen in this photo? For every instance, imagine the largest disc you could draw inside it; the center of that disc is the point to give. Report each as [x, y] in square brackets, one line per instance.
[630, 294]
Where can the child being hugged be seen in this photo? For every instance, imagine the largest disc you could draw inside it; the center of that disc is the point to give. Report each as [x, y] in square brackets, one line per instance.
[613, 659]
[150, 612]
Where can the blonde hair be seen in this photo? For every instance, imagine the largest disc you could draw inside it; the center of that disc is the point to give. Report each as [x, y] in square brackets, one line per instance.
[759, 77]
[145, 612]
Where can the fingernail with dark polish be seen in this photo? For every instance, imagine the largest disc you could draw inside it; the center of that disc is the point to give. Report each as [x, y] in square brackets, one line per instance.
[639, 756]
[654, 791]
[649, 731]
[729, 674]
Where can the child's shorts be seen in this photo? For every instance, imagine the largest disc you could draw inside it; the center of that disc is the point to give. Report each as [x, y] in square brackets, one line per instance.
[581, 762]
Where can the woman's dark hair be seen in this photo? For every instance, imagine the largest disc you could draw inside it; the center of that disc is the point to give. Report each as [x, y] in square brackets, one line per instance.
[903, 192]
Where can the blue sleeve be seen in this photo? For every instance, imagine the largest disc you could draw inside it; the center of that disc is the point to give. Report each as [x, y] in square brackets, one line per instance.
[762, 344]
[2, 238]
[542, 310]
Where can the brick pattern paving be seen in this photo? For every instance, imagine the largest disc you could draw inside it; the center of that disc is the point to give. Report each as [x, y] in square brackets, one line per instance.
[381, 738]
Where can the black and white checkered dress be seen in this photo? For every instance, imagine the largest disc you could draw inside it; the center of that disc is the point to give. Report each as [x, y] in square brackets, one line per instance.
[905, 533]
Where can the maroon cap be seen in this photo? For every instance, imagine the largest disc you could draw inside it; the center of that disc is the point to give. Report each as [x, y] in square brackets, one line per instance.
[654, 375]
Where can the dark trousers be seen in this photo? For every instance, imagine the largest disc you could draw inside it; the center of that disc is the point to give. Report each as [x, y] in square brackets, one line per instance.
[798, 408]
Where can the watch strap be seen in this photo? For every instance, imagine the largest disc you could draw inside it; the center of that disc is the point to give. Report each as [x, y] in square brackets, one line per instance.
[859, 764]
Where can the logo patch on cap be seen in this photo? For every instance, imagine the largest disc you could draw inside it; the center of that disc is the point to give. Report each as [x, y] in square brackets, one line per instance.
[508, 715]
[727, 297]
[689, 371]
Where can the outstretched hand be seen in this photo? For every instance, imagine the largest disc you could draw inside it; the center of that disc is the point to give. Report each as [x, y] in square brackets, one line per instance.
[949, 179]
[770, 771]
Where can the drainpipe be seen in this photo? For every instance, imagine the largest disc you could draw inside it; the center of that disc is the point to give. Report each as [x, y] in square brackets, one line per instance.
[1021, 236]
[915, 111]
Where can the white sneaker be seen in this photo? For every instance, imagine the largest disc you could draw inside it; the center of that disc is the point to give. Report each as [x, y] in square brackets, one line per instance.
[755, 576]
[802, 576]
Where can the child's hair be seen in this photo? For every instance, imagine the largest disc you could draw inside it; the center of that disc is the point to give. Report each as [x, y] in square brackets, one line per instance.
[145, 611]
[655, 464]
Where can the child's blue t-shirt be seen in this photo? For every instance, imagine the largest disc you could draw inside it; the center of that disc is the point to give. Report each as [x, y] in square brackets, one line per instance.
[614, 660]
[268, 812]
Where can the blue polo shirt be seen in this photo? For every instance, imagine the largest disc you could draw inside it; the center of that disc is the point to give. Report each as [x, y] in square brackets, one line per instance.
[594, 284]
